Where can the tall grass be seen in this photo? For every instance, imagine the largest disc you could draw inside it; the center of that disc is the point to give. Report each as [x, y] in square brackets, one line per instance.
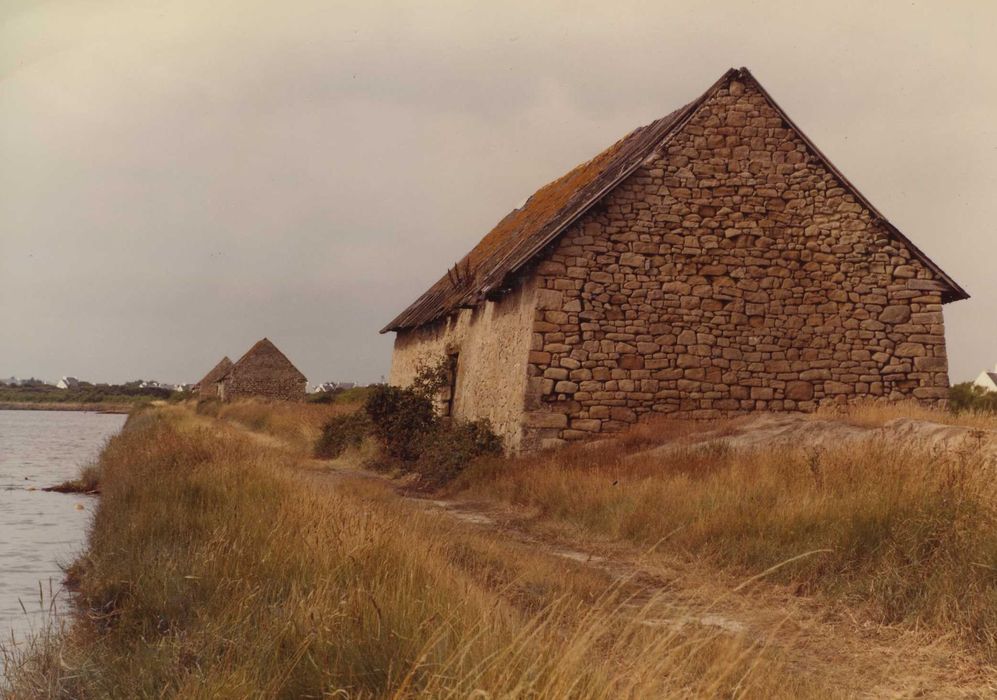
[911, 534]
[874, 414]
[296, 424]
[215, 568]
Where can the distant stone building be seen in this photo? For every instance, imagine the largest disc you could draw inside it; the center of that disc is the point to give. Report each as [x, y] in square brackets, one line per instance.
[711, 263]
[263, 372]
[207, 388]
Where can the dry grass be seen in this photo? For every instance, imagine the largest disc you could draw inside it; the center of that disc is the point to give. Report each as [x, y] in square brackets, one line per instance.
[876, 414]
[910, 535]
[216, 568]
[297, 424]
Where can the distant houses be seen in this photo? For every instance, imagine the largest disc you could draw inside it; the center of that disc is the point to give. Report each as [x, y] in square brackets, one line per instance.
[67, 383]
[326, 387]
[987, 380]
[263, 372]
[147, 384]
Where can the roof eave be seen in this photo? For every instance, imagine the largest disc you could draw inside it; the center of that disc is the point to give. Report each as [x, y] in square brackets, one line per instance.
[512, 262]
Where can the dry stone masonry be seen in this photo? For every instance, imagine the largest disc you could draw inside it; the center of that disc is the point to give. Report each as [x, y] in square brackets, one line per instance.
[263, 372]
[732, 270]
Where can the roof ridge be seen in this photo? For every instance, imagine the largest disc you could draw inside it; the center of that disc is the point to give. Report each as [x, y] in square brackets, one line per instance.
[259, 344]
[518, 244]
[522, 233]
[218, 371]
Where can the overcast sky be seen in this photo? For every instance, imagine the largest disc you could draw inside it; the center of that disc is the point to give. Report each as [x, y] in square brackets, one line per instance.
[180, 179]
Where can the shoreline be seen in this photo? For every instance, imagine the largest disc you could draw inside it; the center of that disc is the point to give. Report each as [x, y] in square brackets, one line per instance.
[86, 407]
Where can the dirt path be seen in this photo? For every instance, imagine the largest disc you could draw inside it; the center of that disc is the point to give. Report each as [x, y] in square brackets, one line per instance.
[831, 641]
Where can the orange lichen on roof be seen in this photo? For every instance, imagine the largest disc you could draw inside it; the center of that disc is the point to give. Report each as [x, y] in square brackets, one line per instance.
[542, 216]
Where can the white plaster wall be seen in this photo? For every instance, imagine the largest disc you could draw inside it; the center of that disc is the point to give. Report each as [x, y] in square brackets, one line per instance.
[493, 341]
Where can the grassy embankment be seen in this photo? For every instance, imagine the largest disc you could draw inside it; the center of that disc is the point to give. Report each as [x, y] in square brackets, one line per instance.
[217, 568]
[104, 398]
[906, 534]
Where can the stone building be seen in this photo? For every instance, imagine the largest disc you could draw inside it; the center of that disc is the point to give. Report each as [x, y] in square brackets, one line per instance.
[207, 388]
[711, 263]
[263, 372]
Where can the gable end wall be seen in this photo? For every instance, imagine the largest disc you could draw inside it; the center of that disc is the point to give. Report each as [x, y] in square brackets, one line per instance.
[732, 273]
[265, 378]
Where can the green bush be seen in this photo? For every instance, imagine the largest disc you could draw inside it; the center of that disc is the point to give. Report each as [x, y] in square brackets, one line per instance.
[400, 418]
[412, 436]
[969, 397]
[341, 433]
[446, 451]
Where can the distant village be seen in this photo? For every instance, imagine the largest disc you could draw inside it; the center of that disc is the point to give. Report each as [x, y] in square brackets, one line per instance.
[76, 383]
[263, 372]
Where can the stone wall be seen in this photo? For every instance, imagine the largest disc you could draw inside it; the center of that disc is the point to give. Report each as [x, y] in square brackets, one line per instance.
[241, 385]
[492, 342]
[733, 273]
[208, 390]
[263, 373]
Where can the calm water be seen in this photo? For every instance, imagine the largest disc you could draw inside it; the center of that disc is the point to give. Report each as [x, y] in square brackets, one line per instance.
[40, 530]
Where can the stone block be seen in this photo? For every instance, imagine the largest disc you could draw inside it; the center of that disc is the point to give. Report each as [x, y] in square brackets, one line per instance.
[910, 350]
[799, 391]
[624, 415]
[545, 419]
[556, 373]
[898, 313]
[589, 425]
[549, 299]
[930, 363]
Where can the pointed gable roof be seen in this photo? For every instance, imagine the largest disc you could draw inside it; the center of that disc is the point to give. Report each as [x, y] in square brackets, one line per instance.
[216, 373]
[524, 232]
[264, 354]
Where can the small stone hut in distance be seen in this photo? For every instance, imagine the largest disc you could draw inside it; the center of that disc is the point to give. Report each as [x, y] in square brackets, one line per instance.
[208, 386]
[263, 372]
[710, 263]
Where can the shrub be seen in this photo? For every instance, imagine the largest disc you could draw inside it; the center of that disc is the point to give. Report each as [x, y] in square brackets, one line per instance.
[431, 378]
[969, 397]
[413, 437]
[341, 433]
[400, 418]
[446, 451]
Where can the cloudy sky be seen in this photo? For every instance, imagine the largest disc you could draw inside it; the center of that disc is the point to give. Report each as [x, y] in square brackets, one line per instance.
[179, 179]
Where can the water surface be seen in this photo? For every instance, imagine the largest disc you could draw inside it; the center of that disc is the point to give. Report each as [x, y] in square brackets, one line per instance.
[40, 530]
